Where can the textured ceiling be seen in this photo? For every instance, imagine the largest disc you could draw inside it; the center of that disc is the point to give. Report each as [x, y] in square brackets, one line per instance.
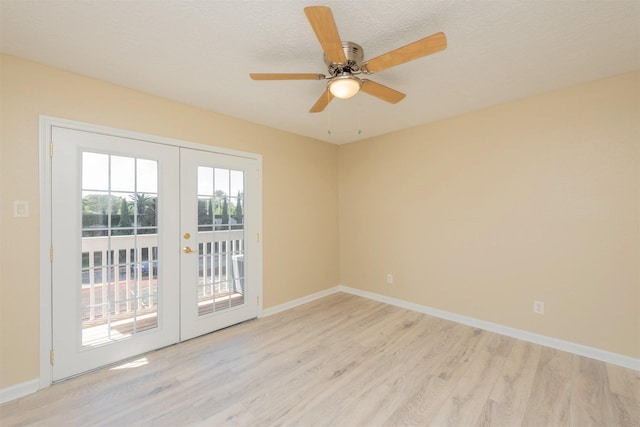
[201, 51]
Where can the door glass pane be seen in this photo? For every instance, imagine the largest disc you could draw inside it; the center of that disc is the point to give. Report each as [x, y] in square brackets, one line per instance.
[119, 290]
[220, 239]
[123, 173]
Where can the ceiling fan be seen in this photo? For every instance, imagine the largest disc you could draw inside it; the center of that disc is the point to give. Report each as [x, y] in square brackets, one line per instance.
[345, 62]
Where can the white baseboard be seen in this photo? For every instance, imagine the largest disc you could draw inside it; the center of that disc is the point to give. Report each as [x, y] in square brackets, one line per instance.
[18, 390]
[299, 301]
[28, 387]
[579, 349]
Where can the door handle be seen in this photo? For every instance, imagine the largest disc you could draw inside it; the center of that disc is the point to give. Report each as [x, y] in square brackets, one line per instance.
[187, 249]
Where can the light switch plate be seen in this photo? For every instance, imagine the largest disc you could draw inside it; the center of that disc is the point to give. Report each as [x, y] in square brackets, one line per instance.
[20, 209]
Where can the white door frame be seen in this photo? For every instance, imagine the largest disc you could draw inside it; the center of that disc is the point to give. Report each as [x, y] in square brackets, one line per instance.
[46, 123]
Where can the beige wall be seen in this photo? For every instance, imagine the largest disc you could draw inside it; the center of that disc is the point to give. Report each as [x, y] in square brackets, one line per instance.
[300, 191]
[478, 215]
[482, 214]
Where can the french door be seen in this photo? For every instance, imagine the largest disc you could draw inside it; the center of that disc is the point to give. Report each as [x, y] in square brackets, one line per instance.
[153, 244]
[217, 241]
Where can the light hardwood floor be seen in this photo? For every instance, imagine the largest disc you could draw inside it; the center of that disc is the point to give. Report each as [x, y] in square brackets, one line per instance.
[343, 361]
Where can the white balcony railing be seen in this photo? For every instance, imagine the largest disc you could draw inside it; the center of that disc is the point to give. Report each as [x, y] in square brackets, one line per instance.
[117, 261]
[119, 273]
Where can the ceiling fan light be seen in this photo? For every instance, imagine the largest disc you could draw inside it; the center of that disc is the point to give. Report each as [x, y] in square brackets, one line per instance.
[344, 86]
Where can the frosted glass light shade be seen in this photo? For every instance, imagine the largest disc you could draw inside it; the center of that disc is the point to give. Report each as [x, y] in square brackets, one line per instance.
[344, 86]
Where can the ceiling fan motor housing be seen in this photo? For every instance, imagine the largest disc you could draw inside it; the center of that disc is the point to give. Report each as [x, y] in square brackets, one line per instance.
[354, 54]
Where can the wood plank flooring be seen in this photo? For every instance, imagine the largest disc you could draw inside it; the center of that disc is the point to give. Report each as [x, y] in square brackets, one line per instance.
[343, 361]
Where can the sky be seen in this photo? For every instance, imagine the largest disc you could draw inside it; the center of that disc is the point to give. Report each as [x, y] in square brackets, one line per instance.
[129, 174]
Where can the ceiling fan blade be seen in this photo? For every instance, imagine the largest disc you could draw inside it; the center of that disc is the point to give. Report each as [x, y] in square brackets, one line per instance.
[322, 102]
[381, 91]
[323, 24]
[286, 76]
[428, 45]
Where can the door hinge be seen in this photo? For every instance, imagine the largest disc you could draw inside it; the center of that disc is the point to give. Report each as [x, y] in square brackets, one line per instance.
[257, 237]
[51, 149]
[52, 357]
[51, 253]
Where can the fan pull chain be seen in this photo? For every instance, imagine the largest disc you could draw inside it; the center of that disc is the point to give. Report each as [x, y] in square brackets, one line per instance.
[358, 119]
[328, 114]
[359, 115]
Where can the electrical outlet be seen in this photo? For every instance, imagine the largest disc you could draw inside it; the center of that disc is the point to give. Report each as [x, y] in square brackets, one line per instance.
[389, 279]
[538, 307]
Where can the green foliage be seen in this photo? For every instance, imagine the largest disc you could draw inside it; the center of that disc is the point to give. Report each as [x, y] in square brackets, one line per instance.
[125, 219]
[100, 210]
[209, 217]
[205, 212]
[225, 212]
[202, 212]
[239, 214]
[101, 203]
[93, 220]
[140, 201]
[224, 216]
[217, 204]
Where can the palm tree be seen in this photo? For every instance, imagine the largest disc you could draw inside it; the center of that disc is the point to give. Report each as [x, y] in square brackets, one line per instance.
[141, 200]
